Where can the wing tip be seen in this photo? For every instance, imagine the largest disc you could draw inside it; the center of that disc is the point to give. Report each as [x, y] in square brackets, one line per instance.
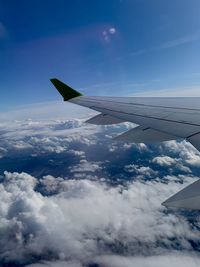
[165, 204]
[65, 90]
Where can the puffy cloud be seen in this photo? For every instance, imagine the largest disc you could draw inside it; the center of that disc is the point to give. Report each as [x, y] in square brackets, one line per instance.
[173, 260]
[44, 136]
[186, 152]
[164, 161]
[84, 220]
[85, 166]
[59, 263]
[147, 172]
[80, 218]
[171, 163]
[77, 152]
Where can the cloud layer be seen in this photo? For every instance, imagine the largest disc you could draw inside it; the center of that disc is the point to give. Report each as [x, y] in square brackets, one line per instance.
[88, 221]
[71, 197]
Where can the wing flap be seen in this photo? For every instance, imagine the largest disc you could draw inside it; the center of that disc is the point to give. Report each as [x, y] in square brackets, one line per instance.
[104, 119]
[187, 198]
[144, 135]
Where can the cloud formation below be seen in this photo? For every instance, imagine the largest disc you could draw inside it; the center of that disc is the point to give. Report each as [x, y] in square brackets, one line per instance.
[87, 222]
[71, 196]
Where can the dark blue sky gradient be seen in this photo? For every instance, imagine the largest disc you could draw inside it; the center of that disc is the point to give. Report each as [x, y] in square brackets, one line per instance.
[155, 46]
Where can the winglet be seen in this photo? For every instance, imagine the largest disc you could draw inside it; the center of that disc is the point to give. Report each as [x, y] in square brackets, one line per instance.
[66, 91]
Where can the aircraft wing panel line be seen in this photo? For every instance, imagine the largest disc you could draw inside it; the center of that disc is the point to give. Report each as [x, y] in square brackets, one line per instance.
[104, 119]
[90, 99]
[171, 127]
[151, 117]
[144, 135]
[130, 113]
[176, 128]
[190, 136]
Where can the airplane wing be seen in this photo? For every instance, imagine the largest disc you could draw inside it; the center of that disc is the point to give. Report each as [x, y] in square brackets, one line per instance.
[159, 118]
[187, 198]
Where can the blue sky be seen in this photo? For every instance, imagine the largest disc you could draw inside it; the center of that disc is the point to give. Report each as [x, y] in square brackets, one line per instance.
[115, 47]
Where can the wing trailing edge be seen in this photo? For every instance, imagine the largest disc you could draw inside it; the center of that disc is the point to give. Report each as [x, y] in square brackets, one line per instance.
[144, 135]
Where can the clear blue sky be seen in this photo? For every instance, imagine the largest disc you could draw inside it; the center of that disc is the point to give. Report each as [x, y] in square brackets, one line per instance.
[102, 47]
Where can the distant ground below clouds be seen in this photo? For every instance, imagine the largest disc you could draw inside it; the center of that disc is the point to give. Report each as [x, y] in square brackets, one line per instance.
[71, 196]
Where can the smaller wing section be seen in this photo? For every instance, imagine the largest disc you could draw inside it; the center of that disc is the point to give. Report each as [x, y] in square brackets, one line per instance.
[144, 135]
[187, 198]
[104, 119]
[195, 140]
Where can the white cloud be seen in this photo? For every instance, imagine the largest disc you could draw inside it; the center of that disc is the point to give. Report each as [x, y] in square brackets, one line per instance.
[147, 172]
[55, 110]
[187, 152]
[138, 52]
[84, 220]
[86, 166]
[59, 263]
[45, 136]
[185, 91]
[182, 40]
[172, 260]
[174, 163]
[164, 161]
[75, 222]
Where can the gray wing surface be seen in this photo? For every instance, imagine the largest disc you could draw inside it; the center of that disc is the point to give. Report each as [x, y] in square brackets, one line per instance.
[175, 117]
[159, 119]
[188, 198]
[144, 135]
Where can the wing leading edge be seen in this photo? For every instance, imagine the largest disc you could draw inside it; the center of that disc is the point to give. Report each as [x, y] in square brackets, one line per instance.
[159, 119]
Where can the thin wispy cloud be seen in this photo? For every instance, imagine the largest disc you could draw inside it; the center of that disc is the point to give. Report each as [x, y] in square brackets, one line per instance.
[196, 73]
[168, 44]
[3, 31]
[138, 52]
[187, 91]
[182, 40]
